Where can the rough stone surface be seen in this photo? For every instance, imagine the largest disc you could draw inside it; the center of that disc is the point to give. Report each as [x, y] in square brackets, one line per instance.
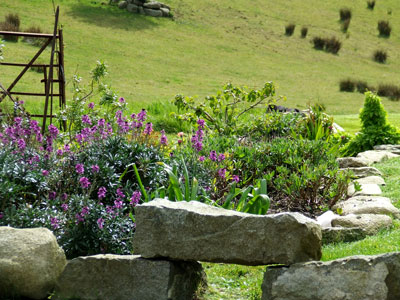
[165, 11]
[325, 220]
[367, 189]
[371, 223]
[127, 277]
[152, 5]
[350, 278]
[387, 147]
[30, 262]
[123, 4]
[196, 231]
[365, 172]
[153, 12]
[371, 180]
[374, 156]
[368, 205]
[342, 234]
[132, 8]
[351, 162]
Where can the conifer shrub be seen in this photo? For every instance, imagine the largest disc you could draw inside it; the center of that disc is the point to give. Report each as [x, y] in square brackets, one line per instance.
[384, 28]
[375, 129]
[380, 56]
[289, 29]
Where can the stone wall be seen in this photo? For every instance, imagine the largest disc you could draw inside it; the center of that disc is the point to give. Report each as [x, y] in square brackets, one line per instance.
[143, 7]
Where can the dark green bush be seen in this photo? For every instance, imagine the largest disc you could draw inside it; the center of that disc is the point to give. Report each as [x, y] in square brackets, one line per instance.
[34, 41]
[345, 14]
[362, 87]
[345, 25]
[371, 4]
[304, 31]
[347, 85]
[389, 90]
[289, 29]
[375, 130]
[332, 45]
[319, 43]
[384, 29]
[380, 56]
[12, 22]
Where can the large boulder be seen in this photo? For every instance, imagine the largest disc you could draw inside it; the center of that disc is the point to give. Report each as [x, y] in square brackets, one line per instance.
[387, 147]
[127, 277]
[133, 8]
[123, 4]
[371, 223]
[153, 12]
[196, 231]
[368, 205]
[30, 262]
[152, 5]
[374, 156]
[365, 172]
[351, 162]
[350, 278]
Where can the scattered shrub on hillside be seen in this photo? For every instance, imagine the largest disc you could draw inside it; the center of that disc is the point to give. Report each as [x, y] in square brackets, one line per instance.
[332, 45]
[304, 31]
[384, 28]
[375, 130]
[345, 25]
[347, 85]
[362, 87]
[371, 4]
[345, 14]
[389, 90]
[380, 56]
[14, 20]
[11, 23]
[319, 43]
[289, 29]
[31, 40]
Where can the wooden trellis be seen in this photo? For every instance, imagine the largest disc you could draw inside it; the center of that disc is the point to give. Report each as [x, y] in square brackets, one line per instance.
[51, 75]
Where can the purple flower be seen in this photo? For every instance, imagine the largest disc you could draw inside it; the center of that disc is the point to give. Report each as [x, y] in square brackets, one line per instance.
[59, 152]
[118, 203]
[141, 117]
[120, 193]
[91, 105]
[121, 100]
[135, 198]
[101, 193]
[64, 206]
[221, 173]
[64, 196]
[85, 211]
[201, 123]
[213, 155]
[67, 148]
[79, 218]
[53, 131]
[133, 116]
[86, 120]
[101, 122]
[163, 139]
[79, 168]
[95, 169]
[100, 223]
[85, 183]
[52, 195]
[235, 178]
[1, 215]
[221, 157]
[54, 223]
[45, 172]
[21, 144]
[201, 158]
[171, 154]
[148, 129]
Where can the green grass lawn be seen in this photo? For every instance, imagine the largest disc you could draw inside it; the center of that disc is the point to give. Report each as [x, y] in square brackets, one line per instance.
[210, 43]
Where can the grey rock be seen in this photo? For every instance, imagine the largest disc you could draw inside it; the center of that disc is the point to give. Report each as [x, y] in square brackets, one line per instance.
[199, 232]
[152, 5]
[375, 156]
[371, 223]
[138, 2]
[127, 277]
[351, 162]
[368, 205]
[165, 11]
[342, 234]
[141, 10]
[387, 147]
[30, 262]
[366, 190]
[132, 8]
[123, 4]
[371, 180]
[364, 172]
[350, 278]
[153, 12]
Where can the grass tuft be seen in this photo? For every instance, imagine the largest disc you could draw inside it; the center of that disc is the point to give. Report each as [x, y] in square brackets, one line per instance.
[380, 56]
[304, 31]
[384, 29]
[371, 4]
[289, 29]
[345, 14]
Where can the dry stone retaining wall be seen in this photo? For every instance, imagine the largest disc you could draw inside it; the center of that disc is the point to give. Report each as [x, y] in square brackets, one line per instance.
[148, 8]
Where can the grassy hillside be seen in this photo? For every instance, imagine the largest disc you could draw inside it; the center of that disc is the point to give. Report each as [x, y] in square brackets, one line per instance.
[212, 42]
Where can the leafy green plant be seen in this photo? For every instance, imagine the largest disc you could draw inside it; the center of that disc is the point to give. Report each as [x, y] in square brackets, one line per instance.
[225, 112]
[375, 129]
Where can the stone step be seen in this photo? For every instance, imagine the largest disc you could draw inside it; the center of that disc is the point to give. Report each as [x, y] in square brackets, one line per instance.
[364, 172]
[371, 223]
[371, 180]
[375, 156]
[387, 147]
[127, 277]
[351, 162]
[199, 232]
[353, 278]
[367, 189]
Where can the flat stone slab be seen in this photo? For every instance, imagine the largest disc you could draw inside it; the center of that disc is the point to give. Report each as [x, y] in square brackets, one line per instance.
[196, 231]
[350, 278]
[367, 189]
[127, 277]
[365, 172]
[368, 205]
[342, 234]
[375, 156]
[371, 180]
[371, 223]
[387, 147]
[30, 262]
[351, 162]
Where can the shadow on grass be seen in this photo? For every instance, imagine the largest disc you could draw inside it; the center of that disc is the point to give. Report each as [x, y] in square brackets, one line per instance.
[110, 17]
